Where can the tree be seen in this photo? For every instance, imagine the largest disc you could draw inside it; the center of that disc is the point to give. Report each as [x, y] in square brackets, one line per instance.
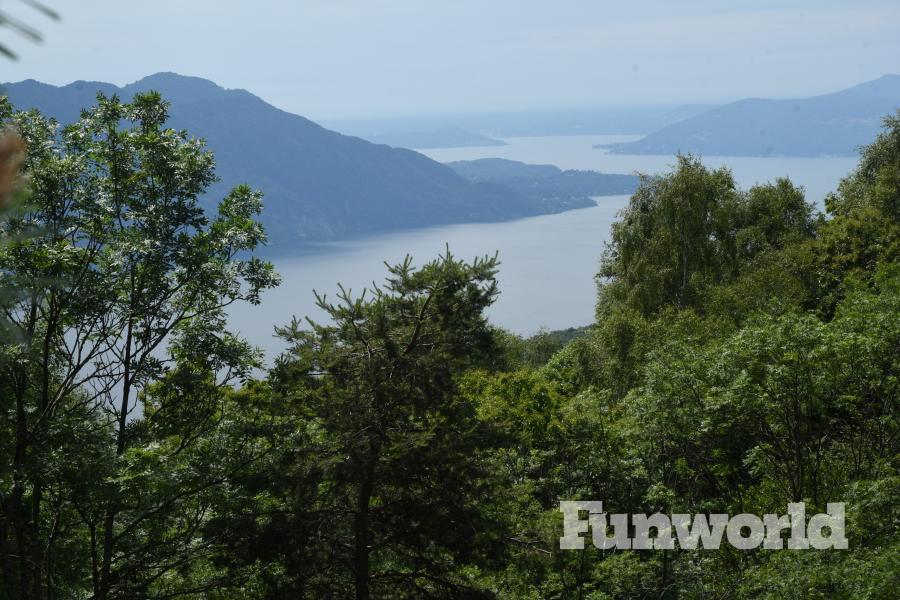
[865, 229]
[392, 445]
[120, 277]
[876, 180]
[669, 237]
[687, 231]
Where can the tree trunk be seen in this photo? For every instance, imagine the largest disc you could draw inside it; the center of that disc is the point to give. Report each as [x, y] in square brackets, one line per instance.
[109, 520]
[37, 546]
[362, 526]
[6, 568]
[361, 540]
[22, 529]
[16, 501]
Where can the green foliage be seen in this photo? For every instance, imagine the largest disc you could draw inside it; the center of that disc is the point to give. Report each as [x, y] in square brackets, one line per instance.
[876, 181]
[384, 498]
[115, 280]
[746, 355]
[688, 231]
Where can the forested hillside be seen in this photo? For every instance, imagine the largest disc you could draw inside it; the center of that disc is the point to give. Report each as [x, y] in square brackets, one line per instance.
[545, 183]
[745, 355]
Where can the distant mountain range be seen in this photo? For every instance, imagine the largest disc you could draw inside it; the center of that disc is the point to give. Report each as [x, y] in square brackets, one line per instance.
[830, 125]
[545, 183]
[628, 120]
[318, 184]
[445, 137]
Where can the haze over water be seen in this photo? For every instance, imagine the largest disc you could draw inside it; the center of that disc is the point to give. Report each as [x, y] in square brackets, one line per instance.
[547, 263]
[818, 175]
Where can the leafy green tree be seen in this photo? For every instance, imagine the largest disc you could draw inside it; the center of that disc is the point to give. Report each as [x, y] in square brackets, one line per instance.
[865, 229]
[541, 347]
[876, 181]
[668, 241]
[120, 277]
[692, 229]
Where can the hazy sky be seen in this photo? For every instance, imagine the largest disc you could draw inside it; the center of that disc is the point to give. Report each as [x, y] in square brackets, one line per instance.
[343, 58]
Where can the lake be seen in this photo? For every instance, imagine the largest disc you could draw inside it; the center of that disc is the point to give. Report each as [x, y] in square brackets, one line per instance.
[547, 262]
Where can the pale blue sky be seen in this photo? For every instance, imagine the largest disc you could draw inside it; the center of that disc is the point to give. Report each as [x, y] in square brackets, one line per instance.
[344, 58]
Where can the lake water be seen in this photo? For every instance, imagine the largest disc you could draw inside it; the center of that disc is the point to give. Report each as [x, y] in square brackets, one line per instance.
[547, 263]
[818, 175]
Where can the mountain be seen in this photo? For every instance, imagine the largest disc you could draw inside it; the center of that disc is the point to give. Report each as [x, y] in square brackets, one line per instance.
[445, 137]
[318, 184]
[545, 183]
[830, 125]
[501, 170]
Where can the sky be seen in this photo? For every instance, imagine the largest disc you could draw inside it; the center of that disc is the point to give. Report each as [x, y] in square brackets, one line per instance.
[368, 58]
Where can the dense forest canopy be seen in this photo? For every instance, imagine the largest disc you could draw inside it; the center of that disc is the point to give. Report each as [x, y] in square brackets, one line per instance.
[744, 356]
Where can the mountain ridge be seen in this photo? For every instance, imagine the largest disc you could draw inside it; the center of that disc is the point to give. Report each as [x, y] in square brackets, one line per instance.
[833, 124]
[318, 184]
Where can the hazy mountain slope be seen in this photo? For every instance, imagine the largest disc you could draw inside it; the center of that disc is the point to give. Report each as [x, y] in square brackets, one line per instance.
[318, 184]
[545, 183]
[833, 124]
[501, 169]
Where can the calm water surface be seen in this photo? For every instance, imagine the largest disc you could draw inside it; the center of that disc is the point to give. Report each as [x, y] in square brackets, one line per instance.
[547, 263]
